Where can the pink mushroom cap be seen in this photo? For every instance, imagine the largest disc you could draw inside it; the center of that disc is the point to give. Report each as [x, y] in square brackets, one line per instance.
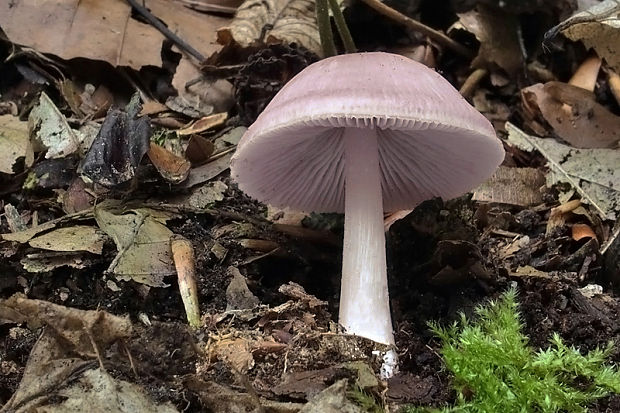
[432, 143]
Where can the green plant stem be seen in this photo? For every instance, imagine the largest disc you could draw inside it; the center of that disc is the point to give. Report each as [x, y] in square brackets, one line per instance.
[341, 25]
[325, 28]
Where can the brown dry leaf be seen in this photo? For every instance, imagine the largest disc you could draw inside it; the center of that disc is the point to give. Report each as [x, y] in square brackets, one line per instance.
[238, 295]
[497, 32]
[79, 329]
[71, 239]
[201, 125]
[15, 143]
[235, 352]
[574, 114]
[513, 186]
[580, 231]
[598, 28]
[560, 214]
[171, 167]
[105, 30]
[199, 150]
[292, 21]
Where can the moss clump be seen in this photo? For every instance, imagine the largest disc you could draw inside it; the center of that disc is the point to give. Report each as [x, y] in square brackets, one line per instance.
[496, 371]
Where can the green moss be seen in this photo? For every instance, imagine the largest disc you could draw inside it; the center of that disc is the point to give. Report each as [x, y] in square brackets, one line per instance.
[495, 370]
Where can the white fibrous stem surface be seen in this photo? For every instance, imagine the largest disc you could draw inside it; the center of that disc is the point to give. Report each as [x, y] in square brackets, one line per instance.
[364, 298]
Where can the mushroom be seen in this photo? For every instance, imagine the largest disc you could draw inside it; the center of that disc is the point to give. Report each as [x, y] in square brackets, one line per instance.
[364, 134]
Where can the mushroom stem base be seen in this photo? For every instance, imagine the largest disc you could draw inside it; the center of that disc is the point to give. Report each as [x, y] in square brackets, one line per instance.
[364, 299]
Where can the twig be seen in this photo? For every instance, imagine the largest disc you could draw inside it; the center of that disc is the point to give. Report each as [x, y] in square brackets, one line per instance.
[155, 22]
[325, 28]
[419, 27]
[343, 29]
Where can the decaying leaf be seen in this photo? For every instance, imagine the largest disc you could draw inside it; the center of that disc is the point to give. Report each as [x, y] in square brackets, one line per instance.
[71, 239]
[207, 171]
[95, 390]
[106, 30]
[235, 352]
[171, 167]
[513, 186]
[49, 128]
[119, 146]
[205, 195]
[497, 32]
[598, 28]
[574, 114]
[593, 173]
[15, 143]
[332, 400]
[238, 295]
[292, 21]
[45, 262]
[201, 125]
[143, 243]
[79, 329]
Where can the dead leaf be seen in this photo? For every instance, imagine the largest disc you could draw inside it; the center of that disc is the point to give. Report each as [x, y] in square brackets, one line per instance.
[593, 173]
[206, 195]
[238, 295]
[78, 328]
[235, 352]
[574, 114]
[203, 124]
[45, 262]
[207, 171]
[513, 186]
[497, 32]
[119, 146]
[292, 21]
[49, 128]
[560, 214]
[199, 150]
[143, 243]
[581, 231]
[598, 28]
[171, 167]
[71, 239]
[105, 31]
[332, 400]
[15, 143]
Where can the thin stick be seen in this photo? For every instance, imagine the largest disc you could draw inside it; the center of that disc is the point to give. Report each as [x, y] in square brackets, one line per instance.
[470, 84]
[419, 27]
[343, 29]
[325, 28]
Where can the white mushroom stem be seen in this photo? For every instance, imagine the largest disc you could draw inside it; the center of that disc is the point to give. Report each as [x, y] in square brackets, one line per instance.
[364, 298]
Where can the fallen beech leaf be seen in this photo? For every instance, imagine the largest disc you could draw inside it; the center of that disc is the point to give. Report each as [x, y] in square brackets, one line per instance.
[143, 243]
[15, 143]
[593, 173]
[50, 129]
[292, 21]
[171, 167]
[199, 150]
[105, 30]
[574, 114]
[70, 239]
[497, 32]
[207, 171]
[201, 125]
[580, 231]
[513, 186]
[598, 28]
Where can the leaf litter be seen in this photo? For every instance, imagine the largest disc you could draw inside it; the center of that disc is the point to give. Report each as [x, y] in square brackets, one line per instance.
[259, 342]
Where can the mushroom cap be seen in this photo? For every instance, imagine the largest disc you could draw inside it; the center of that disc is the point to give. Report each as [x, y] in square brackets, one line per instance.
[432, 143]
